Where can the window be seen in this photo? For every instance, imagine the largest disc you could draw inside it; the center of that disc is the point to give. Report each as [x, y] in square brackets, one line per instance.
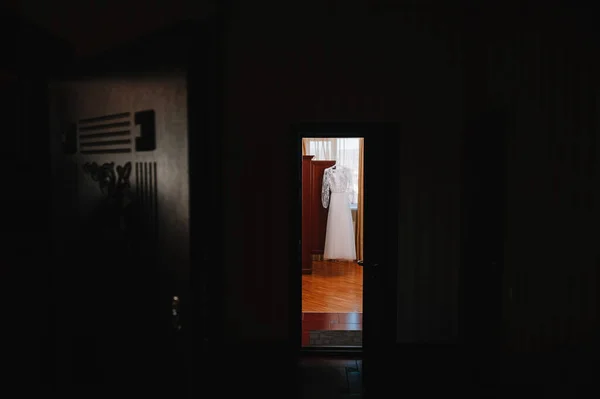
[345, 151]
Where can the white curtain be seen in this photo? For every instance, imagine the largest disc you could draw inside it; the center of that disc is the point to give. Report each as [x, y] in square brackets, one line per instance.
[345, 151]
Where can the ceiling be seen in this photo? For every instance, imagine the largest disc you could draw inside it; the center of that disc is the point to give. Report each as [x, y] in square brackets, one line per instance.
[92, 26]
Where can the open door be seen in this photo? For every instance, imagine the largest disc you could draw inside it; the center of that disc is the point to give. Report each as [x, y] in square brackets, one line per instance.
[121, 229]
[380, 230]
[380, 261]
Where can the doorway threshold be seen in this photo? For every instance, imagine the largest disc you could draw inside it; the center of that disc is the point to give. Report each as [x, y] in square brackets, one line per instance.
[337, 351]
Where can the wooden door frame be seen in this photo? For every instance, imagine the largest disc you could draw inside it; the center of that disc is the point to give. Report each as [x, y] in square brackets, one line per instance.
[388, 131]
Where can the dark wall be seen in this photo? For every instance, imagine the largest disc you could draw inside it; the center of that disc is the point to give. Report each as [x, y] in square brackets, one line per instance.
[313, 62]
[544, 70]
[529, 83]
[26, 303]
[541, 76]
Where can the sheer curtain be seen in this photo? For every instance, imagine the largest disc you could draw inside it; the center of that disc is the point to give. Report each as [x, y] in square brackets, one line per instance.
[347, 152]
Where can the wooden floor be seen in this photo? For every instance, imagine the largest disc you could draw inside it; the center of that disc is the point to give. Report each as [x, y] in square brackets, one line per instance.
[332, 298]
[333, 287]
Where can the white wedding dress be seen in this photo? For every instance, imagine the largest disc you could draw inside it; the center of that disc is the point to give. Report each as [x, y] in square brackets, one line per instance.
[336, 193]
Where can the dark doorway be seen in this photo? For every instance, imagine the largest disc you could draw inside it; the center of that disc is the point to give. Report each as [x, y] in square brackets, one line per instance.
[332, 241]
[380, 261]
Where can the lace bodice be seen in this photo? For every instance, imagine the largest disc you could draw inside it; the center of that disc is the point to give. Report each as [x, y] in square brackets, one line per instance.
[336, 179]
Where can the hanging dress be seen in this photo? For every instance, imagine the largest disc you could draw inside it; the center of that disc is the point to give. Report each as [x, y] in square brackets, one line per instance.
[336, 194]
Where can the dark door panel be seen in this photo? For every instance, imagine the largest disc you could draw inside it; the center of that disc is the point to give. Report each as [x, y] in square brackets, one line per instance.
[120, 224]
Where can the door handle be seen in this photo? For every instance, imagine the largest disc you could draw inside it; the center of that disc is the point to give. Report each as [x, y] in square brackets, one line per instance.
[367, 264]
[175, 313]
